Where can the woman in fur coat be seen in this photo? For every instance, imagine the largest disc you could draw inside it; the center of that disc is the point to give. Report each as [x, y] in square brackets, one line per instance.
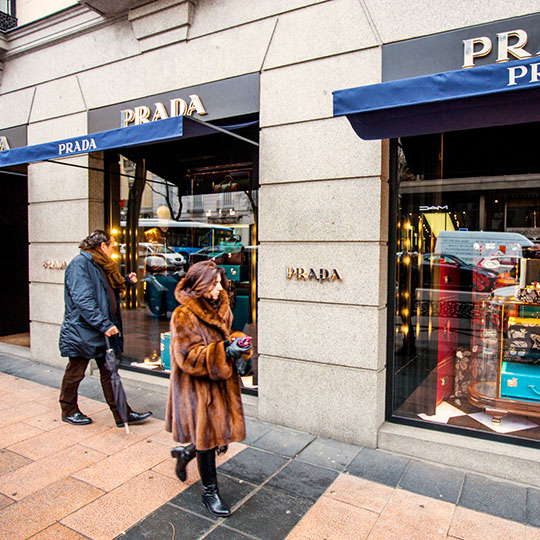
[204, 405]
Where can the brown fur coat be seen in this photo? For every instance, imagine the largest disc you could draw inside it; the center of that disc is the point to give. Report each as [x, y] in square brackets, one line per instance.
[204, 404]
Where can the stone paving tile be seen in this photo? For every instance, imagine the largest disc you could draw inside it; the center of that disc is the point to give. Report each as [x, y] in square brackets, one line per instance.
[413, 516]
[284, 441]
[359, 492]
[5, 501]
[532, 533]
[118, 510]
[114, 439]
[532, 512]
[378, 466]
[253, 465]
[50, 442]
[16, 433]
[57, 532]
[168, 522]
[440, 483]
[10, 461]
[19, 414]
[255, 430]
[328, 453]
[41, 509]
[222, 532]
[231, 490]
[269, 514]
[329, 518]
[47, 421]
[472, 525]
[494, 497]
[303, 480]
[167, 466]
[38, 474]
[117, 469]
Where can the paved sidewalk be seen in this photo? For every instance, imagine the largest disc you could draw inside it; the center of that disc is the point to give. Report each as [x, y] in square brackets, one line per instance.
[95, 482]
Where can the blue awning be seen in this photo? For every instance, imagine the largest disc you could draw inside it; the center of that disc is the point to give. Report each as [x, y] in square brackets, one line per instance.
[491, 95]
[152, 132]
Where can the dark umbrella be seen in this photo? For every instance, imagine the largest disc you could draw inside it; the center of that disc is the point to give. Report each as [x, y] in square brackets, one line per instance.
[111, 362]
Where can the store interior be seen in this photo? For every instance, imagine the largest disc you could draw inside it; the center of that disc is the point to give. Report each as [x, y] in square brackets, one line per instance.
[467, 300]
[14, 296]
[170, 205]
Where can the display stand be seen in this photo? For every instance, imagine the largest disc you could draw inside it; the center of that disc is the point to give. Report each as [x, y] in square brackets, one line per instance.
[485, 391]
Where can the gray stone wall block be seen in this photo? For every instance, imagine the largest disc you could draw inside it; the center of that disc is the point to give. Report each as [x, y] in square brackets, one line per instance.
[55, 253]
[318, 31]
[357, 263]
[329, 334]
[403, 20]
[319, 150]
[304, 91]
[47, 302]
[330, 210]
[64, 221]
[215, 15]
[57, 98]
[44, 343]
[331, 401]
[15, 107]
[100, 46]
[218, 56]
[52, 181]
[160, 17]
[57, 129]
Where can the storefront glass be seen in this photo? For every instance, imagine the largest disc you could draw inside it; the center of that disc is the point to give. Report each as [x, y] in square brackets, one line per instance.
[467, 291]
[163, 226]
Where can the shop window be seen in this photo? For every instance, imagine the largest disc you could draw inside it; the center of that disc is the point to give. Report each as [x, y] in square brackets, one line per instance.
[467, 282]
[167, 216]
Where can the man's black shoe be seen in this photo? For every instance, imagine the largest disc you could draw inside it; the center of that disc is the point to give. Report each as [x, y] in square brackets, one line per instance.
[135, 418]
[77, 419]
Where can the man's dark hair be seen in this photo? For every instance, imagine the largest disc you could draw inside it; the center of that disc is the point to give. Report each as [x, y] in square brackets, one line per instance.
[95, 239]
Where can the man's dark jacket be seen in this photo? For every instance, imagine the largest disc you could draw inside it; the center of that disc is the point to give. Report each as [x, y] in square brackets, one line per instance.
[88, 310]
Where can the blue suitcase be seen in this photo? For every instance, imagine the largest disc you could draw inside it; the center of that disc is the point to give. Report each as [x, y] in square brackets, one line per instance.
[520, 381]
[165, 347]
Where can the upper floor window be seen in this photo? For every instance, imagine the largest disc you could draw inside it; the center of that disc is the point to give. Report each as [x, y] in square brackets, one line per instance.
[7, 6]
[7, 14]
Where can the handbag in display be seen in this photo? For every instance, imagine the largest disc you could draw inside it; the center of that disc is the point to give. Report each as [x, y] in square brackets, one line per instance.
[529, 295]
[523, 340]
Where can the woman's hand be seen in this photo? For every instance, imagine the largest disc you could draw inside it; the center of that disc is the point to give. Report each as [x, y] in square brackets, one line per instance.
[112, 331]
[133, 277]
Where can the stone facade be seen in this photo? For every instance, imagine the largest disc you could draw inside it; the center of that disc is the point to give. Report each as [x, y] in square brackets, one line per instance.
[324, 191]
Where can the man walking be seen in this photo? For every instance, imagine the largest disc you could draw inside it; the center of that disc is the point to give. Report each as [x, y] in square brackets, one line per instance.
[92, 292]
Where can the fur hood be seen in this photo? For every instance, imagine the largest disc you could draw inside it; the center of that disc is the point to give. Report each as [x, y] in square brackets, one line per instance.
[204, 311]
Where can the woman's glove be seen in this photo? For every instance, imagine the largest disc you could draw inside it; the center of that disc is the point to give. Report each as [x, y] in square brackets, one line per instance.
[238, 347]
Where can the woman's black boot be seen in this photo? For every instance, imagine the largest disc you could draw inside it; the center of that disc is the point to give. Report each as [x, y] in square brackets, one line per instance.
[183, 454]
[206, 460]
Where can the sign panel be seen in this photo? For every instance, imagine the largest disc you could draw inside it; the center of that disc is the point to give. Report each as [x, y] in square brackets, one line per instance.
[502, 41]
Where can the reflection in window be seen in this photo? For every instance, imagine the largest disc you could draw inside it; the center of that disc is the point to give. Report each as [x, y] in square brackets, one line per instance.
[165, 227]
[467, 268]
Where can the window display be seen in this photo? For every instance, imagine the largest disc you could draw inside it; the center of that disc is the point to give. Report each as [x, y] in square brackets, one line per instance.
[162, 226]
[467, 302]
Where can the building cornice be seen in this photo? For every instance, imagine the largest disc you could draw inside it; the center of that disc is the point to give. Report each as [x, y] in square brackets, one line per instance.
[65, 24]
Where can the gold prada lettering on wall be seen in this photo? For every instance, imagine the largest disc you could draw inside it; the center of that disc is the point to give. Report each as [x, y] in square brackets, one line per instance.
[55, 265]
[177, 107]
[322, 274]
[482, 46]
[4, 145]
